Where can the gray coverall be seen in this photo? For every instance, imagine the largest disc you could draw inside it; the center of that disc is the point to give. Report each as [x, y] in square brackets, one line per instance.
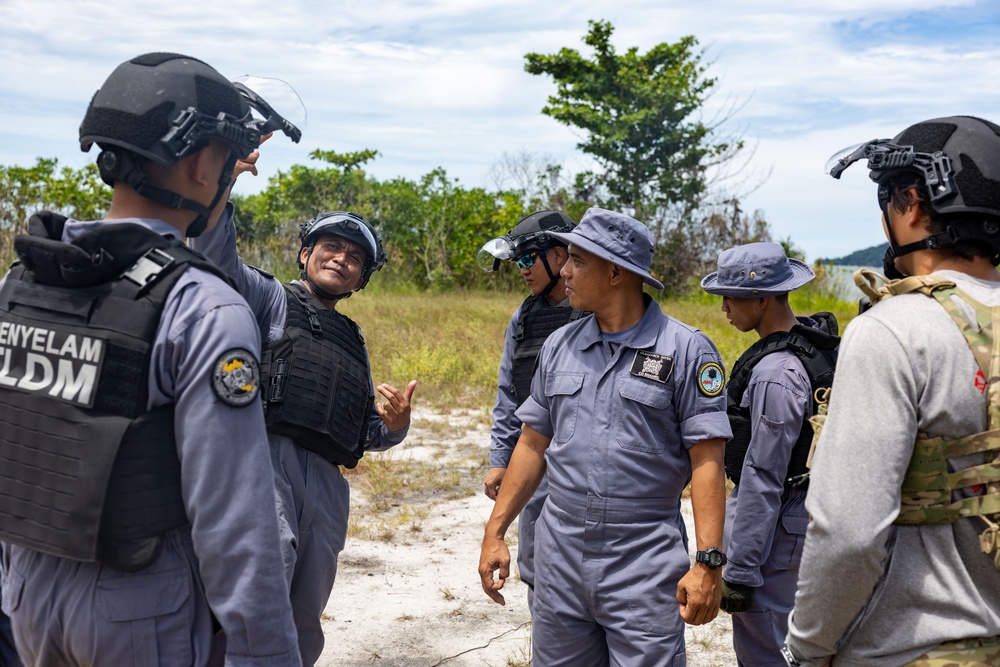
[765, 520]
[313, 496]
[610, 550]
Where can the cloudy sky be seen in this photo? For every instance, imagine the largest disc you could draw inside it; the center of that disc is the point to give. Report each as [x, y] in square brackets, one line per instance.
[433, 83]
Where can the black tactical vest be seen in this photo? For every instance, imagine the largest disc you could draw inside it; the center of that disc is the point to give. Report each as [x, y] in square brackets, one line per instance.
[537, 320]
[316, 381]
[88, 473]
[816, 348]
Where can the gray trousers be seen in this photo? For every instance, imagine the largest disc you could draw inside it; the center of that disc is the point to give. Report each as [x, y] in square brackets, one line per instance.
[314, 501]
[68, 613]
[606, 583]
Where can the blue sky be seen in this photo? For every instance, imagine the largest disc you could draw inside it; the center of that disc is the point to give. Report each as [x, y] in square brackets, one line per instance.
[441, 82]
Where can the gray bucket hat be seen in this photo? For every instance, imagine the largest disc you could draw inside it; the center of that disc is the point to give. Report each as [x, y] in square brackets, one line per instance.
[756, 269]
[617, 238]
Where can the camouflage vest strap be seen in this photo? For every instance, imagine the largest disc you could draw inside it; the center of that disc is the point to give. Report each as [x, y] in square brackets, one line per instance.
[876, 287]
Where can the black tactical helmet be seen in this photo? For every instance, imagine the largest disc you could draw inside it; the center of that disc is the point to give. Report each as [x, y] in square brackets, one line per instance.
[958, 159]
[529, 235]
[351, 226]
[164, 107]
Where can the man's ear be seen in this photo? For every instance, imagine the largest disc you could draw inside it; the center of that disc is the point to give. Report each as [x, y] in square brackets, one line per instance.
[199, 166]
[560, 255]
[617, 274]
[913, 215]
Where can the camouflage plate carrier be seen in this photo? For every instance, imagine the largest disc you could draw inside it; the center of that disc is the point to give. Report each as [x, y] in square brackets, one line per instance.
[928, 486]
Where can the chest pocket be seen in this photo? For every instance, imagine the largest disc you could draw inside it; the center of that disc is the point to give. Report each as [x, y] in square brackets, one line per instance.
[563, 392]
[646, 417]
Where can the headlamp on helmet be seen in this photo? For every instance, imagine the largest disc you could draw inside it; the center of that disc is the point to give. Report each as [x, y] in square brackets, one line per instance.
[530, 235]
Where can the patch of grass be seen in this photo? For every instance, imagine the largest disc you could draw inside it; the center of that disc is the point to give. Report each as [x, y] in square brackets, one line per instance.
[451, 342]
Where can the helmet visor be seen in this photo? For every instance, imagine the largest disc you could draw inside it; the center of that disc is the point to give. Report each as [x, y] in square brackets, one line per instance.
[274, 105]
[493, 251]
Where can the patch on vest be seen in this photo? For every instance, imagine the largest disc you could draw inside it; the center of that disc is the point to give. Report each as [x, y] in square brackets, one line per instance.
[236, 378]
[711, 379]
[652, 366]
[65, 366]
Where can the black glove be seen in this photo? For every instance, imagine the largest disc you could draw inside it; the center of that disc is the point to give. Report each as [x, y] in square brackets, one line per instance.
[736, 597]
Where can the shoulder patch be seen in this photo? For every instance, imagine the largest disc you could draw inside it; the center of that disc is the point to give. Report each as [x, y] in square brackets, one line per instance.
[711, 379]
[236, 378]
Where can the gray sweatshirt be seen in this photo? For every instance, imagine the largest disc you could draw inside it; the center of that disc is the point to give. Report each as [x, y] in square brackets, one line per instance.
[872, 593]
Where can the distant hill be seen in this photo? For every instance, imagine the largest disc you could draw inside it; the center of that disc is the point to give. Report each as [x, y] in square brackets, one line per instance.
[867, 257]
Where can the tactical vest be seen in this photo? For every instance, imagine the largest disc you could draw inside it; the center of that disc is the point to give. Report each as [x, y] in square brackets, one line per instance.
[816, 348]
[88, 472]
[929, 485]
[316, 381]
[537, 320]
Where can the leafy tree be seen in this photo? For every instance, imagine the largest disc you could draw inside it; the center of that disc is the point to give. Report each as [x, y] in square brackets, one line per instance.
[639, 115]
[77, 193]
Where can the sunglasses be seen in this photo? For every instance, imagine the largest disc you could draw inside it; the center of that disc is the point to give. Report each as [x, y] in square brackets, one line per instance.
[526, 261]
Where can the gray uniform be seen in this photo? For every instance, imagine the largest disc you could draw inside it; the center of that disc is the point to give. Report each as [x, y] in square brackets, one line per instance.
[766, 521]
[225, 567]
[503, 437]
[870, 592]
[313, 496]
[610, 548]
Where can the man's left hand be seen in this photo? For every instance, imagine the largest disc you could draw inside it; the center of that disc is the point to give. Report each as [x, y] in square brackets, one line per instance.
[699, 593]
[395, 412]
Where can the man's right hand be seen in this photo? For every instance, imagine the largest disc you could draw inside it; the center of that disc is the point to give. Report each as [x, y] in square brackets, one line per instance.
[494, 478]
[494, 557]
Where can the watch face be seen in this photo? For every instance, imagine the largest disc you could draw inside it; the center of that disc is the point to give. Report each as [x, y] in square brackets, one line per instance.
[711, 557]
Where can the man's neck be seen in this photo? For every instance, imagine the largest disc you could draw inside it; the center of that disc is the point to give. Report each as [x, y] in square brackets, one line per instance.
[329, 304]
[127, 203]
[924, 262]
[557, 294]
[777, 317]
[622, 313]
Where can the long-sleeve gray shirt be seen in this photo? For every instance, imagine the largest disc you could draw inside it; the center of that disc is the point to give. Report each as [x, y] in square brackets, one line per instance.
[778, 396]
[870, 592]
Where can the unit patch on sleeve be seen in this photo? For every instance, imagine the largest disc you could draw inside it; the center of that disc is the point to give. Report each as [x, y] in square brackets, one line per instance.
[236, 378]
[711, 379]
[652, 366]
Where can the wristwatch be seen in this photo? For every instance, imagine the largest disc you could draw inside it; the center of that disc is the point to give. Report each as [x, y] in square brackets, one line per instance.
[711, 557]
[790, 659]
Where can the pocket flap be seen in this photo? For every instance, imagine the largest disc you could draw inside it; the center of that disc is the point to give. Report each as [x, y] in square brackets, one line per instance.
[136, 596]
[645, 392]
[795, 525]
[563, 384]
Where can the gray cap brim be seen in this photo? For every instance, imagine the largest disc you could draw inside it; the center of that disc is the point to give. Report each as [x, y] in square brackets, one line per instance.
[595, 249]
[800, 275]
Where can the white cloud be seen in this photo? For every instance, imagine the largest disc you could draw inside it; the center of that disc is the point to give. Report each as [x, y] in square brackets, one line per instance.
[441, 82]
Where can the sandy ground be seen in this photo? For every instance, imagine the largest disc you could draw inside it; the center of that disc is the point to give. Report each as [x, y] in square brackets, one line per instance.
[410, 597]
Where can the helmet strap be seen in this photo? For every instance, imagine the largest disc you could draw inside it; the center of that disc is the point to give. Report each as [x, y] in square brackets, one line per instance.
[553, 279]
[121, 165]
